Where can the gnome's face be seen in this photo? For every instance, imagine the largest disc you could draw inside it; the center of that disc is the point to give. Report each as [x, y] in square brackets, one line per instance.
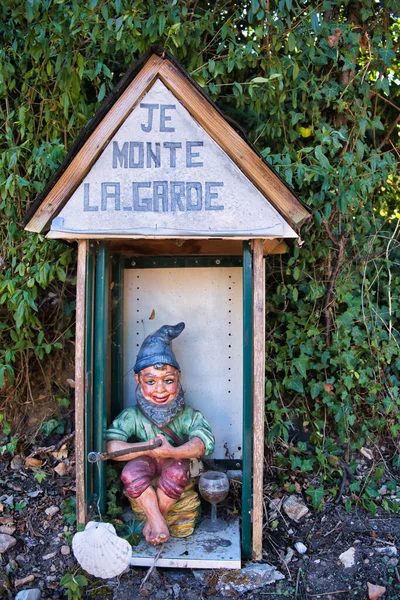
[159, 386]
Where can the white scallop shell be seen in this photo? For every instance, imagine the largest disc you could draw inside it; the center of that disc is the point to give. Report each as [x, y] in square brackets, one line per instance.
[100, 551]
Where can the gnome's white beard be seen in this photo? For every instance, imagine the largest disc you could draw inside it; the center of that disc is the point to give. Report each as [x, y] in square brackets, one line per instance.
[160, 414]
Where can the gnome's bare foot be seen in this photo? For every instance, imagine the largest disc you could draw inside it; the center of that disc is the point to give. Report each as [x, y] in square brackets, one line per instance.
[156, 531]
[146, 530]
[164, 502]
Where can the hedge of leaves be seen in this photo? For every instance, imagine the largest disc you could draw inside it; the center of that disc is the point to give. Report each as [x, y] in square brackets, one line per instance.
[316, 87]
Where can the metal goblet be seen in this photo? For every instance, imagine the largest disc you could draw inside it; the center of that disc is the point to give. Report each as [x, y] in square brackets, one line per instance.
[213, 487]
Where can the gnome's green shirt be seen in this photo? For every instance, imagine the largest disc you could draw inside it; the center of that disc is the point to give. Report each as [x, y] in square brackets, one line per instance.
[190, 423]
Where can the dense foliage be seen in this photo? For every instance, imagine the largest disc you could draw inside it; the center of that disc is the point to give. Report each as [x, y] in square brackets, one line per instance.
[316, 87]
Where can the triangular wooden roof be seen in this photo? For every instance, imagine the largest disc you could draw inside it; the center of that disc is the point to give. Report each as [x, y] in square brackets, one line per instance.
[159, 64]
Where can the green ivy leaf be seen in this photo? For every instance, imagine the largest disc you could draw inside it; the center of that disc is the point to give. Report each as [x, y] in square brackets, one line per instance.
[316, 496]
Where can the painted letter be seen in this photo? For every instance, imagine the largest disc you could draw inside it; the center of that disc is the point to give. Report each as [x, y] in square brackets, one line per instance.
[172, 152]
[120, 156]
[177, 191]
[210, 196]
[155, 156]
[164, 117]
[149, 125]
[140, 159]
[191, 155]
[196, 202]
[140, 204]
[114, 194]
[160, 192]
[86, 199]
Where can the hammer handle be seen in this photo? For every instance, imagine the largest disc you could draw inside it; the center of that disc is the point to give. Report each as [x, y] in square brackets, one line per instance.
[94, 457]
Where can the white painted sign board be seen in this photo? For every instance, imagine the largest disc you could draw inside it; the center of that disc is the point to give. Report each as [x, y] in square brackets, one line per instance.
[210, 348]
[162, 175]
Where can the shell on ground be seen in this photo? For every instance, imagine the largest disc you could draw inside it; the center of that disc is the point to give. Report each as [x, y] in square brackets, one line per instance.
[100, 551]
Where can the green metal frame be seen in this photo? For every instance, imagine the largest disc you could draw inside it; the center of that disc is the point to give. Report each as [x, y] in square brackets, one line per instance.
[90, 261]
[100, 346]
[117, 336]
[100, 387]
[169, 262]
[247, 400]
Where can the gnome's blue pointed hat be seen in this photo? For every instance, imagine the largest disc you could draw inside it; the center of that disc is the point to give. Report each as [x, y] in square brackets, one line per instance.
[156, 348]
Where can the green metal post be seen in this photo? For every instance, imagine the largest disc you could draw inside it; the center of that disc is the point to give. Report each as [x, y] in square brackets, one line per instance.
[117, 336]
[247, 400]
[100, 388]
[89, 373]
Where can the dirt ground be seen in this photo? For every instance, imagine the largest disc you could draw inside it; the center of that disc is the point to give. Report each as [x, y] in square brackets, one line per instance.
[41, 555]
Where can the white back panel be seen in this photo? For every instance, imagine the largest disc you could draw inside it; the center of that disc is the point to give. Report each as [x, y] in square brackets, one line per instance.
[209, 350]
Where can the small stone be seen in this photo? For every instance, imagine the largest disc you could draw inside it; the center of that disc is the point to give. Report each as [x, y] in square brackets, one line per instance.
[9, 529]
[48, 556]
[17, 463]
[21, 560]
[248, 579]
[289, 555]
[65, 550]
[6, 542]
[393, 562]
[375, 591]
[318, 561]
[32, 594]
[274, 508]
[300, 547]
[50, 578]
[295, 508]
[387, 550]
[24, 580]
[348, 558]
[53, 568]
[177, 590]
[51, 511]
[383, 490]
[35, 493]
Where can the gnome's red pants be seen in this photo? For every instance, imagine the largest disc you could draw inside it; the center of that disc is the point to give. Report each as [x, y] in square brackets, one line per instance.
[138, 474]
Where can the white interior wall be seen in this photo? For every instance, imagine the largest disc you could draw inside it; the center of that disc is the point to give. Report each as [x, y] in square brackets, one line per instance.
[209, 350]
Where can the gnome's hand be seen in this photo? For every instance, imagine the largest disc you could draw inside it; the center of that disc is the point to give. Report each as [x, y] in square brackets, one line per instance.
[194, 448]
[163, 451]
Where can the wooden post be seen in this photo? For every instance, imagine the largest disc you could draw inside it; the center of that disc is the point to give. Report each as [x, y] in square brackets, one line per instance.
[258, 393]
[80, 383]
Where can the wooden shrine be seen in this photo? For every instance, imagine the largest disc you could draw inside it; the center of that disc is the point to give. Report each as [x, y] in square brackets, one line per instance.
[174, 213]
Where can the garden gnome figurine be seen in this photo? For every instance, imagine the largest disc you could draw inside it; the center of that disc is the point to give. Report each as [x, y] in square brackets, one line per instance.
[160, 413]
